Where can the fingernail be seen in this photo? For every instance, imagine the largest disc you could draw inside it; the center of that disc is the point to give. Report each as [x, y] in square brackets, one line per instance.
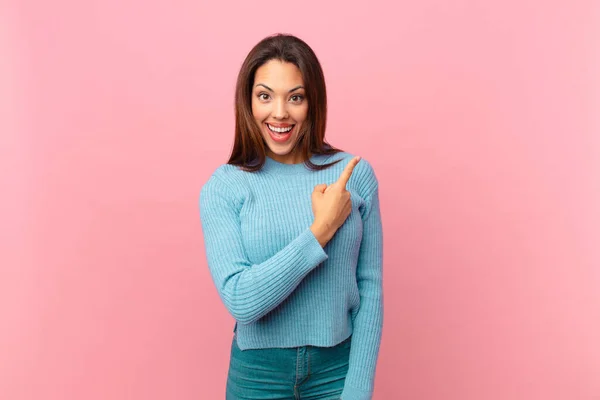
[358, 158]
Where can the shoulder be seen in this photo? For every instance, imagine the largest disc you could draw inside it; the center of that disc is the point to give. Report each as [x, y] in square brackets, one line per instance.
[226, 183]
[226, 175]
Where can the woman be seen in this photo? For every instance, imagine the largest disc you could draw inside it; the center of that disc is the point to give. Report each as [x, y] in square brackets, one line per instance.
[293, 239]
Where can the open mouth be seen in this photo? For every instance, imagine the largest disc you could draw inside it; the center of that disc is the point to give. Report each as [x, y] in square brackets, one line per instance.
[281, 136]
[280, 131]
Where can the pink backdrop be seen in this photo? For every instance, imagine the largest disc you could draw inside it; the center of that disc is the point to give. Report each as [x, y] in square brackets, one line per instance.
[480, 118]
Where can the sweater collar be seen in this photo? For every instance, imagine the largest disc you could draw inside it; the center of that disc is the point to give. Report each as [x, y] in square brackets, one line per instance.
[276, 167]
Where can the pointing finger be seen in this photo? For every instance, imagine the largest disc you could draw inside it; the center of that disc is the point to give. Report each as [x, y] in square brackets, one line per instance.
[347, 172]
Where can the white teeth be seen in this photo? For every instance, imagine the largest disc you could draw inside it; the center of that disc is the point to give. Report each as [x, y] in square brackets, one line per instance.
[280, 130]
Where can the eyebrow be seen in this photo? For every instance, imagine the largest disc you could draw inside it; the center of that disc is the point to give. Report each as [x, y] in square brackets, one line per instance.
[290, 91]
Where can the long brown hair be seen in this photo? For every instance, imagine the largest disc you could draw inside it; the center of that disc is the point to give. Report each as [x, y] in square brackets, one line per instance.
[249, 148]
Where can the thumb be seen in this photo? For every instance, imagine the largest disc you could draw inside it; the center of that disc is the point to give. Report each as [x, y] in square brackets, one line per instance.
[320, 187]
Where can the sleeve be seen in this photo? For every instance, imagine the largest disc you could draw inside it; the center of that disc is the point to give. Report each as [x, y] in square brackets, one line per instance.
[249, 291]
[368, 320]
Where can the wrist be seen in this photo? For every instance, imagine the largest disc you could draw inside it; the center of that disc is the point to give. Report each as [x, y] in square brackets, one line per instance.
[321, 233]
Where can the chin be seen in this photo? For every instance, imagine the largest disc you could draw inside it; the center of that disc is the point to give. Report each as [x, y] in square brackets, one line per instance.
[275, 148]
[281, 150]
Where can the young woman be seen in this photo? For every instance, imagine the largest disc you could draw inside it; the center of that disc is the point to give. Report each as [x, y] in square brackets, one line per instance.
[293, 239]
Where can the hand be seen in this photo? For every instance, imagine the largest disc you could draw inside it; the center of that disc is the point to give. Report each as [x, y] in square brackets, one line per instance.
[331, 204]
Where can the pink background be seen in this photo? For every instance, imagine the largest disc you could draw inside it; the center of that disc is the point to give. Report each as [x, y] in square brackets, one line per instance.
[481, 119]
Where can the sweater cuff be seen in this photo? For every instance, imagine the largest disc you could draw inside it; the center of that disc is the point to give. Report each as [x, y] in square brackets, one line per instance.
[352, 393]
[310, 248]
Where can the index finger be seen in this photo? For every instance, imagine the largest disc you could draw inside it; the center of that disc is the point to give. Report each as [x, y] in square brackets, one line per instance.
[347, 172]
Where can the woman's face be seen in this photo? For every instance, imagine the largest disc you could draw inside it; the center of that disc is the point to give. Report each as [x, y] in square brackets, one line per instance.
[279, 102]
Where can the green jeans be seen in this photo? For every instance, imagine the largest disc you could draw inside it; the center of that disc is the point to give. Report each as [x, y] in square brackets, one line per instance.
[306, 372]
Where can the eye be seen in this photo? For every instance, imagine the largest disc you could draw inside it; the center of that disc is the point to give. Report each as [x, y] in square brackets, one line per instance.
[299, 97]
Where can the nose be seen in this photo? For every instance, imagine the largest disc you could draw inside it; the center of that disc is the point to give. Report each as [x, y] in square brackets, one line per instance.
[280, 111]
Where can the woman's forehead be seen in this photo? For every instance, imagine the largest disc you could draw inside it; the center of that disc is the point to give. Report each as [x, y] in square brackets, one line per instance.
[279, 76]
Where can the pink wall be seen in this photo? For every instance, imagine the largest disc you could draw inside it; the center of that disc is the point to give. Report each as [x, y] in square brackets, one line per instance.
[481, 119]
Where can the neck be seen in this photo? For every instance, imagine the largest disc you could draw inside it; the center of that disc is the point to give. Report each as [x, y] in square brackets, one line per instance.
[287, 158]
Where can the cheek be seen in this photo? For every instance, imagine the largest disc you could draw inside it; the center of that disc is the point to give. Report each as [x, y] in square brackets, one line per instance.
[259, 112]
[300, 115]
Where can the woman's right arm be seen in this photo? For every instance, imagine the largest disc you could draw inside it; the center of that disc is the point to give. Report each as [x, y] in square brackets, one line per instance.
[250, 291]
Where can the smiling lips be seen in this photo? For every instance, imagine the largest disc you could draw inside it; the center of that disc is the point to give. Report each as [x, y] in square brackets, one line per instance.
[279, 126]
[282, 136]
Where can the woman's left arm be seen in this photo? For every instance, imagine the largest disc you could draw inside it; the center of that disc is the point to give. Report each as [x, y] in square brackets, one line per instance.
[368, 321]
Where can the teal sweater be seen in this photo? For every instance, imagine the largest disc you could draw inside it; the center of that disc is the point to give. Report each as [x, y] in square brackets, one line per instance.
[284, 289]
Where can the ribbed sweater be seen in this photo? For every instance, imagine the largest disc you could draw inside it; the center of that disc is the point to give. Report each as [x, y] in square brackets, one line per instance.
[282, 288]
